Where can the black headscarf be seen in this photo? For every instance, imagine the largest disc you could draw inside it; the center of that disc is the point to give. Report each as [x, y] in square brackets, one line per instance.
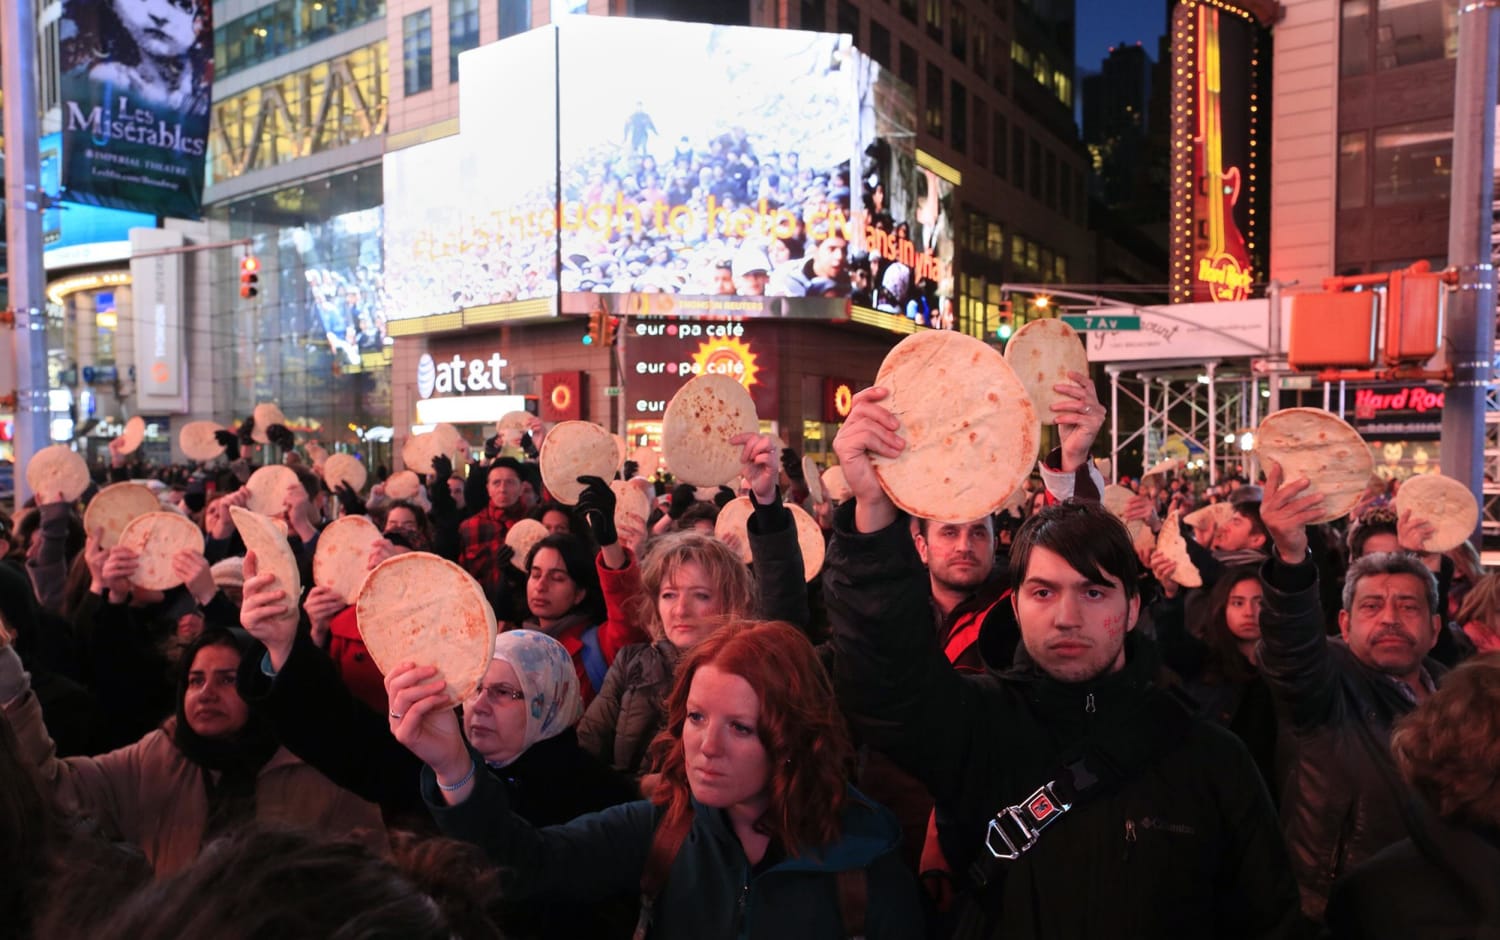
[234, 759]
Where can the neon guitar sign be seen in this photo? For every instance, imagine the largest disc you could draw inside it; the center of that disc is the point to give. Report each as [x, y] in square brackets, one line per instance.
[1221, 261]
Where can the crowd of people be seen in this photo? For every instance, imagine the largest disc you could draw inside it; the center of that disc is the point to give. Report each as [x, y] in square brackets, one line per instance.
[1022, 725]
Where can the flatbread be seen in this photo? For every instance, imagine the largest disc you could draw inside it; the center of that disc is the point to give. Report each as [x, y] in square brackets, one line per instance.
[197, 440]
[420, 608]
[811, 478]
[1043, 352]
[512, 427]
[521, 537]
[1444, 502]
[1214, 514]
[732, 526]
[835, 486]
[646, 460]
[622, 447]
[268, 488]
[114, 507]
[316, 452]
[574, 449]
[1117, 499]
[419, 450]
[266, 414]
[345, 468]
[970, 429]
[157, 537]
[57, 469]
[632, 507]
[1312, 443]
[343, 556]
[273, 555]
[809, 540]
[698, 423]
[1174, 546]
[403, 484]
[1161, 467]
[133, 436]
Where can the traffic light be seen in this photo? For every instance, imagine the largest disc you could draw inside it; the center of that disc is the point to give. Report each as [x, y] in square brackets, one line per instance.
[608, 326]
[1000, 320]
[249, 276]
[597, 327]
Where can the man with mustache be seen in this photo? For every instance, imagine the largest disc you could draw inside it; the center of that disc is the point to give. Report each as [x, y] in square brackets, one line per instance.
[1342, 801]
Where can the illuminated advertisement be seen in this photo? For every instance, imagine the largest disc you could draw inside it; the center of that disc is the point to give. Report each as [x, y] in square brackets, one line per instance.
[337, 273]
[664, 353]
[751, 173]
[1219, 185]
[135, 80]
[73, 233]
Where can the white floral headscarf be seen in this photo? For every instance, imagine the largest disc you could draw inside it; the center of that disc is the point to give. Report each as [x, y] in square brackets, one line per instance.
[547, 677]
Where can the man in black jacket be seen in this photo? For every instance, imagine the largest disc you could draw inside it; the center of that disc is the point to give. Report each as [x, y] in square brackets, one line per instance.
[1343, 801]
[1121, 815]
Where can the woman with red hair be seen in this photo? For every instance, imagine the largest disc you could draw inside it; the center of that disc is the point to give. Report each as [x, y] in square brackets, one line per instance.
[753, 831]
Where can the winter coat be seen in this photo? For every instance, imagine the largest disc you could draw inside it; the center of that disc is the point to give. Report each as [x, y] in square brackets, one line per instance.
[711, 888]
[150, 794]
[1185, 846]
[1343, 801]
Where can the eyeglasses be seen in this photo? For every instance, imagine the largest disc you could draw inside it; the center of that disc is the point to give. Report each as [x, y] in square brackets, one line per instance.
[497, 694]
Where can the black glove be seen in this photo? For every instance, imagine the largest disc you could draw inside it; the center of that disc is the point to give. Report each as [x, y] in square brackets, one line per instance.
[281, 436]
[349, 500]
[629, 471]
[597, 506]
[442, 469]
[247, 430]
[683, 497]
[504, 554]
[195, 496]
[230, 443]
[492, 448]
[527, 446]
[724, 497]
[791, 465]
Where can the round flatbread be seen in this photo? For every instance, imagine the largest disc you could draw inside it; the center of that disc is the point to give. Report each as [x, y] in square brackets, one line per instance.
[343, 556]
[971, 432]
[316, 453]
[1214, 514]
[698, 424]
[1042, 353]
[420, 608]
[732, 526]
[622, 447]
[1174, 546]
[835, 487]
[512, 427]
[814, 482]
[403, 484]
[133, 436]
[198, 442]
[266, 538]
[1162, 467]
[1444, 502]
[809, 539]
[157, 537]
[57, 469]
[632, 507]
[114, 508]
[269, 486]
[1312, 443]
[574, 449]
[420, 449]
[266, 414]
[521, 537]
[1117, 499]
[646, 460]
[345, 468]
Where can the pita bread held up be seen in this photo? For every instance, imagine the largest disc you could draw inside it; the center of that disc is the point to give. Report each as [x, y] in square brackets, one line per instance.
[1174, 546]
[133, 436]
[115, 507]
[521, 537]
[1043, 352]
[343, 556]
[698, 424]
[157, 537]
[573, 449]
[272, 555]
[268, 488]
[345, 468]
[57, 469]
[1444, 502]
[197, 440]
[1313, 443]
[266, 414]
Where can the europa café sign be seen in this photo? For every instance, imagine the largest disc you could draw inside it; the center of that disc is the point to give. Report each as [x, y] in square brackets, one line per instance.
[664, 354]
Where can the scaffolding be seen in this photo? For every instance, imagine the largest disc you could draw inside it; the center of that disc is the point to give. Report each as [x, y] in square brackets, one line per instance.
[1208, 407]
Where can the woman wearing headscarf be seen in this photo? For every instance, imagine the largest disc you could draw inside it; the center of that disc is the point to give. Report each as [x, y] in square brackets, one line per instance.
[211, 766]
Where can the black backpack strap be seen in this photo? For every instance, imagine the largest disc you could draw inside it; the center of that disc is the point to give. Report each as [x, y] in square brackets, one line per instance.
[854, 897]
[666, 842]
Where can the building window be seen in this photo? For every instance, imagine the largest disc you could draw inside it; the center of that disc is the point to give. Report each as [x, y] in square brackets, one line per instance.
[1065, 192]
[515, 17]
[463, 31]
[880, 43]
[1353, 170]
[958, 101]
[1060, 269]
[1020, 55]
[994, 244]
[1062, 87]
[1354, 37]
[909, 65]
[814, 15]
[1018, 158]
[1412, 163]
[1034, 169]
[1408, 33]
[981, 133]
[285, 26]
[416, 51]
[1049, 182]
[934, 113]
[1017, 253]
[997, 148]
[958, 32]
[982, 52]
[848, 19]
[935, 19]
[909, 9]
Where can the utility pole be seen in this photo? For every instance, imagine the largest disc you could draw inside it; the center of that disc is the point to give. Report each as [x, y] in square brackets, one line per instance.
[23, 225]
[1471, 316]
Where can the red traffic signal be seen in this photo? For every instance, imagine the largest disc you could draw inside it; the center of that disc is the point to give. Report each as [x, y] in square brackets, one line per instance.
[249, 276]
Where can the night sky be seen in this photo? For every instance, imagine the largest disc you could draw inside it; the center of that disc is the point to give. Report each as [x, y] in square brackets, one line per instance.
[1105, 23]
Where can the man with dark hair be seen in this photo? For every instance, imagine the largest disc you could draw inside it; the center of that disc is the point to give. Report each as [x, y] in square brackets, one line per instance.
[1241, 540]
[482, 549]
[1075, 791]
[1342, 802]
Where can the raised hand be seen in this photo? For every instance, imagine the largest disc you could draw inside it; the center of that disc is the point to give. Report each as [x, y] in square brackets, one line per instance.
[869, 429]
[596, 504]
[1286, 510]
[758, 464]
[1164, 569]
[1079, 419]
[195, 572]
[422, 719]
[322, 605]
[267, 614]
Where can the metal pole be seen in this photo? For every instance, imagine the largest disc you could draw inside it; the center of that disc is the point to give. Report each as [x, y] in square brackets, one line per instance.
[1146, 455]
[1114, 426]
[23, 226]
[1213, 425]
[1470, 337]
